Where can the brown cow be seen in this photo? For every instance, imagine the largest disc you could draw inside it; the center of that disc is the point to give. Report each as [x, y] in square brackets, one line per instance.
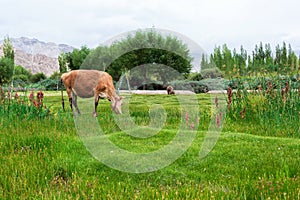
[90, 83]
[170, 90]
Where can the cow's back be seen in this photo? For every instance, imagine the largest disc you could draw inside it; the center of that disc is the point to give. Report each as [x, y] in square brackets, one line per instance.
[85, 82]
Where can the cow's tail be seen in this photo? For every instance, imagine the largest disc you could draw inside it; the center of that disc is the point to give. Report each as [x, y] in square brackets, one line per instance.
[62, 95]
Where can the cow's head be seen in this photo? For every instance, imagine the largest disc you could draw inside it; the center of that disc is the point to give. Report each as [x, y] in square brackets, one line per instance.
[116, 104]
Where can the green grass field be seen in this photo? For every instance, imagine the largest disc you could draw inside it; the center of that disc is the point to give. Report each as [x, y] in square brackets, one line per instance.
[43, 157]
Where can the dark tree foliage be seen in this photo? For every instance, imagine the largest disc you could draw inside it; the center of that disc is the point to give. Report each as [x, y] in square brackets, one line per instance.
[142, 47]
[74, 59]
[150, 56]
[153, 51]
[8, 49]
[7, 62]
[62, 60]
[6, 70]
[37, 77]
[21, 74]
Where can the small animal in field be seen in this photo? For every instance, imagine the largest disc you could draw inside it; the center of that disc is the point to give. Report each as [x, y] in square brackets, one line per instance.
[170, 90]
[90, 83]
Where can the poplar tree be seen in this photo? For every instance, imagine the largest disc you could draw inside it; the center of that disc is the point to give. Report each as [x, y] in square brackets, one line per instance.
[7, 61]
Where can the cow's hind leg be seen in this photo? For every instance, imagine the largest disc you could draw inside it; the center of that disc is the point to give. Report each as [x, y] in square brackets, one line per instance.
[71, 102]
[74, 102]
[96, 105]
[69, 92]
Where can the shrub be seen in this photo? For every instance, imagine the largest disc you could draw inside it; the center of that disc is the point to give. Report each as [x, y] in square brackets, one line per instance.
[195, 77]
[211, 73]
[215, 84]
[152, 86]
[37, 77]
[196, 86]
[49, 84]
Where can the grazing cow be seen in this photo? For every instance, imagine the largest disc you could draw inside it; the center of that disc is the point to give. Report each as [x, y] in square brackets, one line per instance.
[170, 90]
[90, 83]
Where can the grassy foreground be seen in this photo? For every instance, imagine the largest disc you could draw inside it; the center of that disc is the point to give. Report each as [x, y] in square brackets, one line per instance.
[44, 158]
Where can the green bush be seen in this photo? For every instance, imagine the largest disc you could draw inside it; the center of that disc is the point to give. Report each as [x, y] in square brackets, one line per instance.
[49, 84]
[215, 84]
[195, 77]
[196, 86]
[211, 73]
[37, 77]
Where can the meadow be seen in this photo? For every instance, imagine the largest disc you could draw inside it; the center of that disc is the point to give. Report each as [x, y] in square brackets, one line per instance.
[256, 155]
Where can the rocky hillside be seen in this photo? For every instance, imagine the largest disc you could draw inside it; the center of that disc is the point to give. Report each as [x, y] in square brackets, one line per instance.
[37, 56]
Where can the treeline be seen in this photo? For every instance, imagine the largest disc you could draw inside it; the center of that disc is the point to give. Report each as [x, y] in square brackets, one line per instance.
[119, 58]
[150, 47]
[138, 49]
[262, 60]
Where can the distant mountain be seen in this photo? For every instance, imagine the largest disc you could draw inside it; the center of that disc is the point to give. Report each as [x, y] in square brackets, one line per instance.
[37, 56]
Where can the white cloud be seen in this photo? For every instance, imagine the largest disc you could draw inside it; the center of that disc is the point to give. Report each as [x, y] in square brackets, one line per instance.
[208, 22]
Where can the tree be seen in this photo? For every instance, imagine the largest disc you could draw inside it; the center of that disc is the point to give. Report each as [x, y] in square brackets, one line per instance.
[261, 55]
[63, 62]
[38, 77]
[269, 58]
[6, 70]
[99, 58]
[8, 49]
[284, 54]
[204, 62]
[55, 76]
[152, 57]
[7, 62]
[75, 59]
[277, 61]
[281, 61]
[142, 47]
[217, 57]
[21, 73]
[239, 60]
[262, 60]
[292, 60]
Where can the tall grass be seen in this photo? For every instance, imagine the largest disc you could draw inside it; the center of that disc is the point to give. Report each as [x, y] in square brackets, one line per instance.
[23, 107]
[272, 109]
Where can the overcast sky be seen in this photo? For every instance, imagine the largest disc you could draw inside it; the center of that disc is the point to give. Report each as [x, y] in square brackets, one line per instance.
[207, 22]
